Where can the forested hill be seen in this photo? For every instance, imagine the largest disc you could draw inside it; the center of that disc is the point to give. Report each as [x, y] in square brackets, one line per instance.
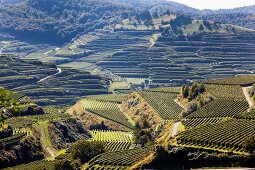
[58, 21]
[244, 10]
[161, 5]
[243, 16]
[10, 1]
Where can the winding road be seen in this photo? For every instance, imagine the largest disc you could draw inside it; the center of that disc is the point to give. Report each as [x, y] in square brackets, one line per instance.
[59, 72]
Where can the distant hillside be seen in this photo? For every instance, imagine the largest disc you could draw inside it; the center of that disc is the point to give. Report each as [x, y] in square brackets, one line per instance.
[161, 5]
[57, 22]
[240, 19]
[243, 16]
[243, 10]
[9, 1]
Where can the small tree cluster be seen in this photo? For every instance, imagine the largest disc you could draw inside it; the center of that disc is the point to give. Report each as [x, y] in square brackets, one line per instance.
[143, 136]
[194, 106]
[191, 92]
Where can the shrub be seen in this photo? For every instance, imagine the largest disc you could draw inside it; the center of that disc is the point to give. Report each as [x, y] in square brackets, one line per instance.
[192, 107]
[250, 144]
[84, 150]
[63, 165]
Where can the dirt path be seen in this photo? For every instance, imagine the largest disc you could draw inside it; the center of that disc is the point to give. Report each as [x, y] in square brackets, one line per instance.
[181, 105]
[43, 141]
[247, 95]
[175, 129]
[153, 42]
[59, 71]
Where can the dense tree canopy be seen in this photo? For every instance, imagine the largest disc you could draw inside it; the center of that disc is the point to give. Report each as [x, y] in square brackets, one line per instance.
[60, 20]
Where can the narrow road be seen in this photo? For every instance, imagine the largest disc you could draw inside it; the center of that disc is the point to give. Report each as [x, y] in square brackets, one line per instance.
[59, 71]
[247, 95]
[175, 129]
[153, 42]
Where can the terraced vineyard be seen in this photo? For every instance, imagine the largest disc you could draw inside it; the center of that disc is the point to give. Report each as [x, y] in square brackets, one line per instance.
[230, 135]
[119, 98]
[118, 159]
[165, 89]
[116, 146]
[131, 57]
[51, 114]
[114, 115]
[194, 122]
[221, 108]
[45, 84]
[163, 103]
[106, 167]
[112, 136]
[88, 104]
[113, 141]
[105, 107]
[246, 115]
[225, 91]
[237, 80]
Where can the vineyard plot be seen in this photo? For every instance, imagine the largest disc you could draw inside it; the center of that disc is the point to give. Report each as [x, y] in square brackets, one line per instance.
[113, 115]
[163, 103]
[89, 104]
[246, 115]
[225, 91]
[119, 158]
[194, 122]
[112, 136]
[106, 109]
[118, 98]
[235, 80]
[221, 108]
[228, 135]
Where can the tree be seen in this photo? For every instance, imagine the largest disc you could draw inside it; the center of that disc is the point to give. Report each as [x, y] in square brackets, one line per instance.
[63, 165]
[192, 107]
[143, 137]
[155, 15]
[84, 150]
[185, 91]
[201, 27]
